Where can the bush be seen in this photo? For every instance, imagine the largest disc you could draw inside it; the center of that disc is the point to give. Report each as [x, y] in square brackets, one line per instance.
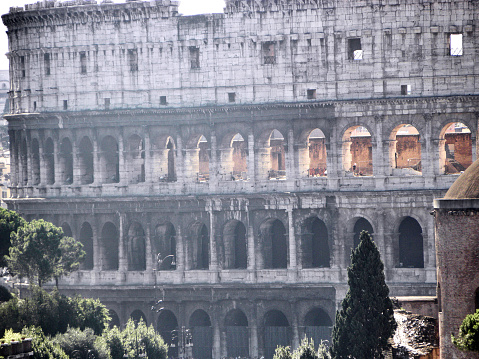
[282, 353]
[43, 347]
[153, 343]
[306, 350]
[112, 339]
[468, 339]
[53, 312]
[85, 341]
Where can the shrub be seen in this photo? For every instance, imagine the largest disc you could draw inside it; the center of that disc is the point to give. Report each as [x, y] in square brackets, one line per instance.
[282, 353]
[85, 341]
[43, 347]
[133, 335]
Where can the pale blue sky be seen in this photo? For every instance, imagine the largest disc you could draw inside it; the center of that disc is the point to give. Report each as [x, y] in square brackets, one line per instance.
[187, 7]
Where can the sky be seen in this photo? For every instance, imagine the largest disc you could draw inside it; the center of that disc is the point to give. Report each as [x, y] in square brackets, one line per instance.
[187, 7]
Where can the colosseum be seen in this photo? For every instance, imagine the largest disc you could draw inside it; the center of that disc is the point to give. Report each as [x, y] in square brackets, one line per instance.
[226, 163]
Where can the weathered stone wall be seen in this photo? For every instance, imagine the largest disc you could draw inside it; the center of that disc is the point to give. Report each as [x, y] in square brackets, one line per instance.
[123, 125]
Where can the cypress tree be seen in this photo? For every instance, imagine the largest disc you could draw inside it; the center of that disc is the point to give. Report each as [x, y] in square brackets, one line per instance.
[365, 321]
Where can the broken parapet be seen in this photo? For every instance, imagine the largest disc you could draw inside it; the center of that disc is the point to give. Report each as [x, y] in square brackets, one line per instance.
[416, 336]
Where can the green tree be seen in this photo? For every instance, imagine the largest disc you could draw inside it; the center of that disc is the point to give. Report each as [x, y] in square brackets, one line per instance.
[283, 353]
[40, 251]
[138, 335]
[113, 340]
[365, 321]
[43, 346]
[10, 221]
[468, 339]
[306, 350]
[85, 341]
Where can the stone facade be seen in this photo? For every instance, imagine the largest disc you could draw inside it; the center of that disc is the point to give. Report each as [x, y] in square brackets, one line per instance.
[251, 147]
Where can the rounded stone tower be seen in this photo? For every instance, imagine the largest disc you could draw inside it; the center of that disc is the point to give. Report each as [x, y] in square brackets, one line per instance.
[457, 250]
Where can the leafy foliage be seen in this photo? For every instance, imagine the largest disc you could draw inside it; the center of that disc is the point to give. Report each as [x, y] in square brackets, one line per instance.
[468, 339]
[43, 347]
[365, 321]
[5, 295]
[283, 353]
[136, 336]
[53, 313]
[11, 335]
[39, 251]
[85, 341]
[112, 338]
[304, 351]
[10, 221]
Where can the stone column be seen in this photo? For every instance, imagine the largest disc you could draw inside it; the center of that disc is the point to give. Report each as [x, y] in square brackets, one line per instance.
[123, 252]
[216, 340]
[150, 264]
[180, 250]
[148, 158]
[41, 159]
[302, 159]
[291, 170]
[292, 239]
[429, 156]
[14, 156]
[97, 172]
[180, 161]
[251, 245]
[213, 252]
[379, 167]
[295, 329]
[253, 339]
[57, 161]
[214, 165]
[76, 162]
[29, 161]
[96, 249]
[251, 160]
[122, 162]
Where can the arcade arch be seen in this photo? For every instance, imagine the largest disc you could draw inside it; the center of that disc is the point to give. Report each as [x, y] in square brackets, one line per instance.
[234, 244]
[110, 160]
[315, 244]
[234, 158]
[318, 325]
[199, 246]
[405, 151]
[202, 333]
[164, 246]
[135, 159]
[318, 166]
[66, 161]
[237, 334]
[274, 244]
[361, 224]
[136, 248]
[455, 148]
[24, 161]
[35, 149]
[277, 156]
[411, 249]
[49, 155]
[277, 331]
[137, 315]
[115, 319]
[357, 152]
[167, 324]
[86, 238]
[109, 247]
[85, 159]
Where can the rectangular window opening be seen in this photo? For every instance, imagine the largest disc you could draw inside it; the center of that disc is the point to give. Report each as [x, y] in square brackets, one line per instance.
[311, 93]
[83, 62]
[405, 90]
[107, 103]
[455, 44]
[269, 54]
[65, 104]
[46, 60]
[232, 96]
[133, 60]
[163, 100]
[194, 57]
[355, 51]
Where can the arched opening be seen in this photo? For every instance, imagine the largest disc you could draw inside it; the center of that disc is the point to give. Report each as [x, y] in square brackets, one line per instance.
[276, 332]
[67, 231]
[237, 335]
[115, 319]
[168, 329]
[136, 248]
[202, 334]
[203, 160]
[234, 238]
[165, 246]
[315, 244]
[109, 247]
[66, 161]
[277, 169]
[357, 152]
[411, 251]
[170, 147]
[455, 148]
[317, 326]
[274, 243]
[85, 158]
[199, 247]
[135, 158]
[317, 154]
[361, 224]
[86, 238]
[49, 155]
[405, 151]
[35, 162]
[137, 315]
[110, 160]
[24, 158]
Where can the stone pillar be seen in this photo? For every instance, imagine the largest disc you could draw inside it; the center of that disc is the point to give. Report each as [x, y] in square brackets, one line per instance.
[191, 165]
[29, 161]
[302, 159]
[180, 250]
[43, 169]
[379, 167]
[216, 340]
[150, 264]
[57, 160]
[291, 171]
[429, 155]
[213, 252]
[13, 158]
[292, 240]
[251, 160]
[251, 245]
[253, 339]
[76, 162]
[122, 162]
[148, 159]
[180, 163]
[214, 165]
[97, 172]
[123, 252]
[295, 328]
[96, 248]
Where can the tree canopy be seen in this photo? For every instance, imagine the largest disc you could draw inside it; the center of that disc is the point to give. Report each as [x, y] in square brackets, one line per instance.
[468, 339]
[365, 321]
[40, 251]
[10, 221]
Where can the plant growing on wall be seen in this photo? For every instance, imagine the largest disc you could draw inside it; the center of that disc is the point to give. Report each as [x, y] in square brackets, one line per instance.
[365, 321]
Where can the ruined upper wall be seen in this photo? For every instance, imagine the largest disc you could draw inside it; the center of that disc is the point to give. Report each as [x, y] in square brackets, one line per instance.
[143, 55]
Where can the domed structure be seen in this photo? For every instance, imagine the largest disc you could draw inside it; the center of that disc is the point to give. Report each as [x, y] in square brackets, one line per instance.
[467, 185]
